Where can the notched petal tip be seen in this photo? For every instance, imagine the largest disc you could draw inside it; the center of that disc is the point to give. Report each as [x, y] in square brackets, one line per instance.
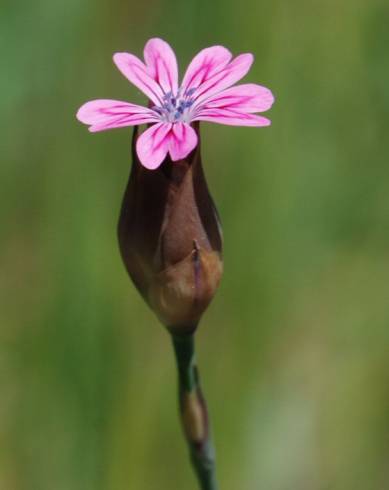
[117, 57]
[266, 122]
[161, 63]
[249, 57]
[153, 144]
[82, 112]
[157, 42]
[270, 98]
[183, 139]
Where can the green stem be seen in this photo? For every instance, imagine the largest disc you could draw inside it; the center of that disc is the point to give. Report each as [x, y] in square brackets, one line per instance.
[193, 412]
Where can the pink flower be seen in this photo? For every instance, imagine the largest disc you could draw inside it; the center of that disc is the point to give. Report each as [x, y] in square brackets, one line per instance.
[205, 94]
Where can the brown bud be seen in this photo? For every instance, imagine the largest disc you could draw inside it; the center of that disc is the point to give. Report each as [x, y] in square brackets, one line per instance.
[170, 239]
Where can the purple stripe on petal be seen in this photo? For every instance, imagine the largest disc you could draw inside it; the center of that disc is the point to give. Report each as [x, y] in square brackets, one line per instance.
[183, 139]
[162, 64]
[242, 98]
[223, 79]
[204, 65]
[136, 72]
[102, 114]
[152, 145]
[121, 123]
[231, 118]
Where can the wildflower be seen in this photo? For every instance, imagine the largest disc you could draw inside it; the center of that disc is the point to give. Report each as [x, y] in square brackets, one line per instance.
[205, 94]
[169, 233]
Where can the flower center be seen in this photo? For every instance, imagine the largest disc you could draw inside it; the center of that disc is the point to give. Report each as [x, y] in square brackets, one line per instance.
[176, 107]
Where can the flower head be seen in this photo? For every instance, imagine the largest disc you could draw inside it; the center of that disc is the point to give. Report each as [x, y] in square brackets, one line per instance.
[206, 93]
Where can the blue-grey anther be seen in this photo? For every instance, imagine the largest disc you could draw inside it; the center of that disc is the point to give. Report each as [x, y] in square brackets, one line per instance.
[175, 107]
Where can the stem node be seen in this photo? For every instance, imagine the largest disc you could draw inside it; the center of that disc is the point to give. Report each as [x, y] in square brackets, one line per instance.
[193, 412]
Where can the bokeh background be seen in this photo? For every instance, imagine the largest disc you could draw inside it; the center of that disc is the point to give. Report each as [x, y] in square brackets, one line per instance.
[294, 351]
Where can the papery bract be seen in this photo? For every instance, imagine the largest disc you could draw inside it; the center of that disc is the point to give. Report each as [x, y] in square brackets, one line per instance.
[170, 239]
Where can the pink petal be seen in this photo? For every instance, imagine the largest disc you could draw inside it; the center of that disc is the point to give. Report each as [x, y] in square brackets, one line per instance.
[242, 98]
[162, 64]
[226, 77]
[231, 118]
[153, 144]
[183, 139]
[102, 114]
[204, 65]
[136, 72]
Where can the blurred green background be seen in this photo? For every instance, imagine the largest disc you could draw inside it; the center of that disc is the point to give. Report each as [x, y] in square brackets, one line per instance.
[294, 351]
